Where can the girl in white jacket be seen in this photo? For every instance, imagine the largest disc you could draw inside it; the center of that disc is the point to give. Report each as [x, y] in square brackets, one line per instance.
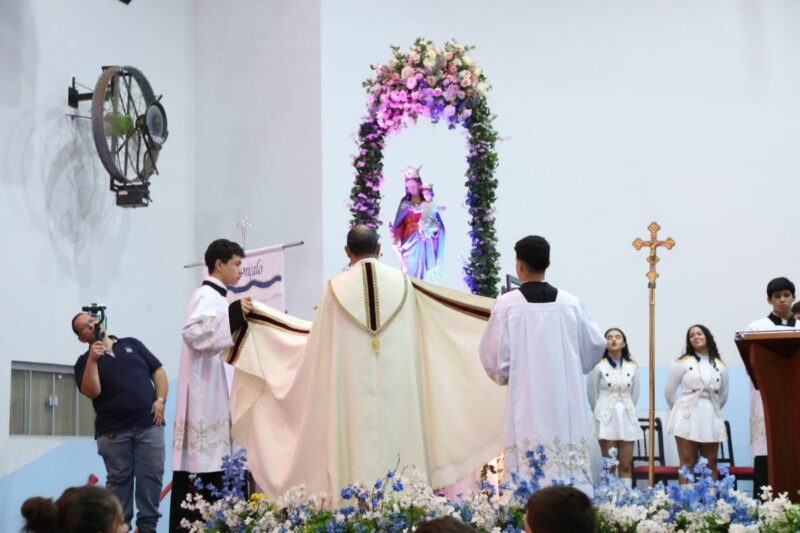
[613, 388]
[696, 391]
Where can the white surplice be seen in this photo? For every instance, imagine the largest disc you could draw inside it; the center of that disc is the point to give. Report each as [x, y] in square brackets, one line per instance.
[387, 372]
[758, 430]
[202, 419]
[542, 351]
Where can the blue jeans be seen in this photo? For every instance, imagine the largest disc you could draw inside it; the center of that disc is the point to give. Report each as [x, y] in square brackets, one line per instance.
[135, 454]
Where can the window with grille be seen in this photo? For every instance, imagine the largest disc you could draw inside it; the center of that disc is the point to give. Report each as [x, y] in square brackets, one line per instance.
[45, 401]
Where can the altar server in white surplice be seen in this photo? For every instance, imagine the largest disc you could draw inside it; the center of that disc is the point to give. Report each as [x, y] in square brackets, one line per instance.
[202, 419]
[780, 294]
[541, 342]
[613, 388]
[388, 371]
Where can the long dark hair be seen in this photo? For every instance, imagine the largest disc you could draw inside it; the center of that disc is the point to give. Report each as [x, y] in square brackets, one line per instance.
[626, 353]
[713, 352]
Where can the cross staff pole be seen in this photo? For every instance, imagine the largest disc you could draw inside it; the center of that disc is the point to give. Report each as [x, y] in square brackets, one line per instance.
[652, 259]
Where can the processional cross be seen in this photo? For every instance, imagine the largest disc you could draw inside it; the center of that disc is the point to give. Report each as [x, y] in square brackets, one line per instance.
[653, 244]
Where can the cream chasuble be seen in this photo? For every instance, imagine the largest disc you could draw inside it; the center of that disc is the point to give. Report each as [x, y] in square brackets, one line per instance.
[387, 372]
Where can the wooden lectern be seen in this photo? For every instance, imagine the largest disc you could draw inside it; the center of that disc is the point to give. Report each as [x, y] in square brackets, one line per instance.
[773, 363]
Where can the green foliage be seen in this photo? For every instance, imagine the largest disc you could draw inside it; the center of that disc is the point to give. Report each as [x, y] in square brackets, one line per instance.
[482, 272]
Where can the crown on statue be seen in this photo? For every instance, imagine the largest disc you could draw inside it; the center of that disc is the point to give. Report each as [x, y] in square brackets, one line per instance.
[411, 173]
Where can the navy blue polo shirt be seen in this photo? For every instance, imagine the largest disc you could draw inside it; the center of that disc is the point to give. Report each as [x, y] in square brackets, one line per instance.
[126, 387]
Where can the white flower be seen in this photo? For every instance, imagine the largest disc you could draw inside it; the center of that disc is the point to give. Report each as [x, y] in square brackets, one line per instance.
[739, 528]
[724, 509]
[651, 526]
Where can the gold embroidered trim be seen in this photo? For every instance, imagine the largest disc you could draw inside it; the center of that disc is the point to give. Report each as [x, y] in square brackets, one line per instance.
[362, 325]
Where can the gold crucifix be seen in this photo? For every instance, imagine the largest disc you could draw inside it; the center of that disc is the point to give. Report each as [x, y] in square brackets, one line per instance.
[652, 259]
[653, 243]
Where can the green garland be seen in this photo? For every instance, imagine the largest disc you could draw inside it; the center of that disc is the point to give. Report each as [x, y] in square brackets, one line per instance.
[440, 84]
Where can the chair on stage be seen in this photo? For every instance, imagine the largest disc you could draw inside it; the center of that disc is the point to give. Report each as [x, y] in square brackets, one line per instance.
[512, 282]
[725, 457]
[661, 472]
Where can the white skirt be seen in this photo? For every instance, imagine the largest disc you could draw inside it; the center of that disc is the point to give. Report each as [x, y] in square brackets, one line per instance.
[619, 426]
[703, 424]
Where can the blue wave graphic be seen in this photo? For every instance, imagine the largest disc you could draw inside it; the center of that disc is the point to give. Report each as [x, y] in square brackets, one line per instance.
[256, 283]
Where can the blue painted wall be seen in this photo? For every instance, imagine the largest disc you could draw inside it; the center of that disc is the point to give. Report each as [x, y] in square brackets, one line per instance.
[70, 465]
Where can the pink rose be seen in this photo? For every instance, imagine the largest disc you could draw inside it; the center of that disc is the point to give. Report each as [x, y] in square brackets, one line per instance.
[449, 111]
[411, 82]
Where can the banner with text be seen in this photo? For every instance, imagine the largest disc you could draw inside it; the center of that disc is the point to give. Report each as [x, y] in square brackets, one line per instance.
[262, 277]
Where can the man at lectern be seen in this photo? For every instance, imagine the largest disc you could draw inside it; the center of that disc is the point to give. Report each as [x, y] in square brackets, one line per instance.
[780, 295]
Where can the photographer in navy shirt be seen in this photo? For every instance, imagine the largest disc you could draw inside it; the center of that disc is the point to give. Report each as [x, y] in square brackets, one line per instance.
[128, 389]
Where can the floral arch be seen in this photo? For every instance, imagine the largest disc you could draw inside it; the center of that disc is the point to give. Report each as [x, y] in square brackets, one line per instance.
[441, 84]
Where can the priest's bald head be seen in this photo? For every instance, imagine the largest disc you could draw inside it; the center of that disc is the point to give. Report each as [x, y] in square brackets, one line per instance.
[533, 258]
[362, 243]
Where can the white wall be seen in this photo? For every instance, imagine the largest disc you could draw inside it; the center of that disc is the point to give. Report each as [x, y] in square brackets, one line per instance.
[615, 114]
[65, 242]
[257, 123]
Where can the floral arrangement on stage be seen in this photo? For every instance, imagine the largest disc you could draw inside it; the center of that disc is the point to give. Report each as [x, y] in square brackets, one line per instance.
[442, 84]
[402, 500]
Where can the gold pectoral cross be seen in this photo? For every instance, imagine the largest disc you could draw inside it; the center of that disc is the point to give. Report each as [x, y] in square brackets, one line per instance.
[376, 345]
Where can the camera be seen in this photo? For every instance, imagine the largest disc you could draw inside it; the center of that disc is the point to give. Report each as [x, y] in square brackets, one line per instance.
[98, 312]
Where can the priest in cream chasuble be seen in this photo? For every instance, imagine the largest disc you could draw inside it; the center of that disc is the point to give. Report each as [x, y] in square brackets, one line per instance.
[387, 371]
